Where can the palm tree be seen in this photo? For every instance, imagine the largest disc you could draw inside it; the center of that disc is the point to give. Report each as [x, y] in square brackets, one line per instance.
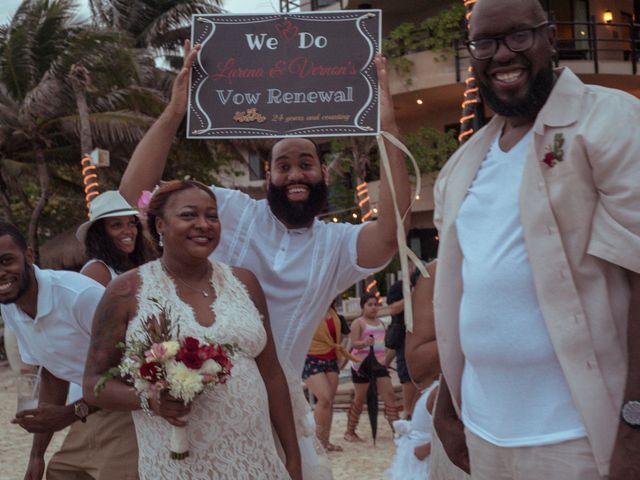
[38, 119]
[159, 25]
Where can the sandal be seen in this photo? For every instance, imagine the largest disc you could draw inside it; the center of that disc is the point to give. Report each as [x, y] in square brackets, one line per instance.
[333, 448]
[352, 437]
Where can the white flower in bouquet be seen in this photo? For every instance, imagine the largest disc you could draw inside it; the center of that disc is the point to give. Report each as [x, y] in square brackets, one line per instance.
[184, 383]
[140, 385]
[210, 367]
[128, 367]
[172, 348]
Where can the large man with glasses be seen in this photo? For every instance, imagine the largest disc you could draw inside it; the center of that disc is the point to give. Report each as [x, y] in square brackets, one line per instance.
[537, 295]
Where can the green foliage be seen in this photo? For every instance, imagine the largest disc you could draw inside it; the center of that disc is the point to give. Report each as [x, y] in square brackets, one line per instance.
[437, 33]
[431, 148]
[444, 29]
[403, 39]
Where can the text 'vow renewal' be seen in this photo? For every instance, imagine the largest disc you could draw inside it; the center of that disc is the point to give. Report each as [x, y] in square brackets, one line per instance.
[305, 74]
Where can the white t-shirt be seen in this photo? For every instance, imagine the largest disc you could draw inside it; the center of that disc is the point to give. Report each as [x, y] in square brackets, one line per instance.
[58, 338]
[301, 271]
[513, 390]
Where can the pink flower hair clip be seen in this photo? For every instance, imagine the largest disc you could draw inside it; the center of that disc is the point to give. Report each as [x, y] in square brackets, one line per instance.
[144, 201]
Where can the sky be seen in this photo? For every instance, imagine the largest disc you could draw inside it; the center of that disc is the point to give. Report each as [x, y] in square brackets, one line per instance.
[8, 7]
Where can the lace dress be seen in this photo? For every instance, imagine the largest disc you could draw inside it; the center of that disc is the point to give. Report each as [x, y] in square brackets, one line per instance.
[229, 428]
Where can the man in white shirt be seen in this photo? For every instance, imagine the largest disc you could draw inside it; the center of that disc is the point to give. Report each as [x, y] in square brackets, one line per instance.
[51, 313]
[537, 292]
[301, 262]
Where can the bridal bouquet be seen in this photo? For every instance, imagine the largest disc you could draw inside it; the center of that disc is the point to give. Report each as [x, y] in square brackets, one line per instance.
[184, 367]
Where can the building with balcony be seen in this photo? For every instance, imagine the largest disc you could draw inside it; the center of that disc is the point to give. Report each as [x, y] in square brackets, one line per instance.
[598, 39]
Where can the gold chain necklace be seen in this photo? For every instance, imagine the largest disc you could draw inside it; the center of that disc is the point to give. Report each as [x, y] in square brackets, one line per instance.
[204, 294]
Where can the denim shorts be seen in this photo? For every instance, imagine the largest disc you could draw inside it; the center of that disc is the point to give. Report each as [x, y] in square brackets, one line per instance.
[315, 365]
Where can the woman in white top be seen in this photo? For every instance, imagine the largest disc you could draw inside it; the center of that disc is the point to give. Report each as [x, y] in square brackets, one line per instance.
[112, 238]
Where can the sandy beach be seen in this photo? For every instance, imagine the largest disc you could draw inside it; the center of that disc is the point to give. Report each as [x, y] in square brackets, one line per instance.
[358, 461]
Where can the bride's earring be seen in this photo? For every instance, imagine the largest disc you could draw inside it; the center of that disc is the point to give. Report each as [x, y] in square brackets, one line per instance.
[160, 242]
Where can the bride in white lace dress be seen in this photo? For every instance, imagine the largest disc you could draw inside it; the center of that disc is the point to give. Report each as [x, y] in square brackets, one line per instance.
[230, 426]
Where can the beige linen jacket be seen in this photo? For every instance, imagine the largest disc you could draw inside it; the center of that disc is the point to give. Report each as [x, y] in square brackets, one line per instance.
[581, 220]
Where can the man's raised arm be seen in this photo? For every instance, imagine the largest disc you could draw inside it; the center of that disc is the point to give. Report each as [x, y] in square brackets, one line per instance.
[150, 156]
[377, 242]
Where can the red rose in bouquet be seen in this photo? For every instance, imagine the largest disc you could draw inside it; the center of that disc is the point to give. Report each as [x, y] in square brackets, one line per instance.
[190, 344]
[219, 355]
[191, 353]
[152, 371]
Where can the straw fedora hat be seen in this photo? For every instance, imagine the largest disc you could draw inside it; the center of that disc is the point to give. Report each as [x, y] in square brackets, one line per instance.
[107, 204]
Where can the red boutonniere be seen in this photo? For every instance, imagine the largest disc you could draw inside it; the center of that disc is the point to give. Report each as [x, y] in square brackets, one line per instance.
[555, 153]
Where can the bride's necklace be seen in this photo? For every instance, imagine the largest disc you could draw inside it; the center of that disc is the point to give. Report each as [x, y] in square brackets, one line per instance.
[204, 294]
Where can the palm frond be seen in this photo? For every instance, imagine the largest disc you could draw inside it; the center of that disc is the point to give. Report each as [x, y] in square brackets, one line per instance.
[108, 128]
[177, 15]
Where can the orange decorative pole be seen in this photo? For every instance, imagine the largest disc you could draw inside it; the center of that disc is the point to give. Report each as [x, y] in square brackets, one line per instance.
[90, 180]
[471, 101]
[364, 202]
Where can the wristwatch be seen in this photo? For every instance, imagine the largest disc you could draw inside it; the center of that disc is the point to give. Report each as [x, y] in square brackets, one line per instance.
[631, 413]
[81, 410]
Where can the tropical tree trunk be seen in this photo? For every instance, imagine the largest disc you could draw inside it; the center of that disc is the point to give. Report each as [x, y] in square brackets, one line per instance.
[44, 181]
[81, 81]
[5, 206]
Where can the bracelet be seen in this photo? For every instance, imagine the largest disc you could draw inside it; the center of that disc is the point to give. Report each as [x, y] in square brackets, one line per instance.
[144, 403]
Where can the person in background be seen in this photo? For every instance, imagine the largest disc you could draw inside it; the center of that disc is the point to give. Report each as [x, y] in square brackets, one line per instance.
[51, 314]
[112, 238]
[395, 301]
[421, 352]
[413, 440]
[367, 331]
[321, 370]
[114, 243]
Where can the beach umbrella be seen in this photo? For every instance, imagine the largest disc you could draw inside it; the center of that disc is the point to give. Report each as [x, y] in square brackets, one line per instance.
[371, 368]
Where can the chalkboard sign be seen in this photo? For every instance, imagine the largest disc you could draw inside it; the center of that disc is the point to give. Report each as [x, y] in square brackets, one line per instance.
[294, 74]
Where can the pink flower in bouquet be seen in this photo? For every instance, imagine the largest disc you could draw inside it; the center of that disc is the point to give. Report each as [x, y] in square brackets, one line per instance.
[157, 352]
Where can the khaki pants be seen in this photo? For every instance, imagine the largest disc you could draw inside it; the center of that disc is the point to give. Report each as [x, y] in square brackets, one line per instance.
[103, 448]
[570, 460]
[440, 467]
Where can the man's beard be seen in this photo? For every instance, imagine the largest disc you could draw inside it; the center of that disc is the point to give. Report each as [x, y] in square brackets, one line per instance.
[528, 107]
[24, 282]
[297, 214]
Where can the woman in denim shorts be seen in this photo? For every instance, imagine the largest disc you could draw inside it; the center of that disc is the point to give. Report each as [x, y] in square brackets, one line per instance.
[321, 373]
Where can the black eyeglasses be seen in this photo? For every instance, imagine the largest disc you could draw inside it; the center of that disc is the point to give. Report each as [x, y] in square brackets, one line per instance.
[517, 41]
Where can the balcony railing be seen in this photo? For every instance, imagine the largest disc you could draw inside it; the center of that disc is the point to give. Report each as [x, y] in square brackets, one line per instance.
[297, 5]
[577, 41]
[584, 41]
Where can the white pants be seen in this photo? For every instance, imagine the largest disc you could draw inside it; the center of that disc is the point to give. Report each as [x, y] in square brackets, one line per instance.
[570, 460]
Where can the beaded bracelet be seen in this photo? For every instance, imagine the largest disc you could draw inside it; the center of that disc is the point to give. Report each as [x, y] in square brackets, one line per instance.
[144, 403]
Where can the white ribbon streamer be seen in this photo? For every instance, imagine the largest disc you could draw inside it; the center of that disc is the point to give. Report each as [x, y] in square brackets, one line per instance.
[403, 250]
